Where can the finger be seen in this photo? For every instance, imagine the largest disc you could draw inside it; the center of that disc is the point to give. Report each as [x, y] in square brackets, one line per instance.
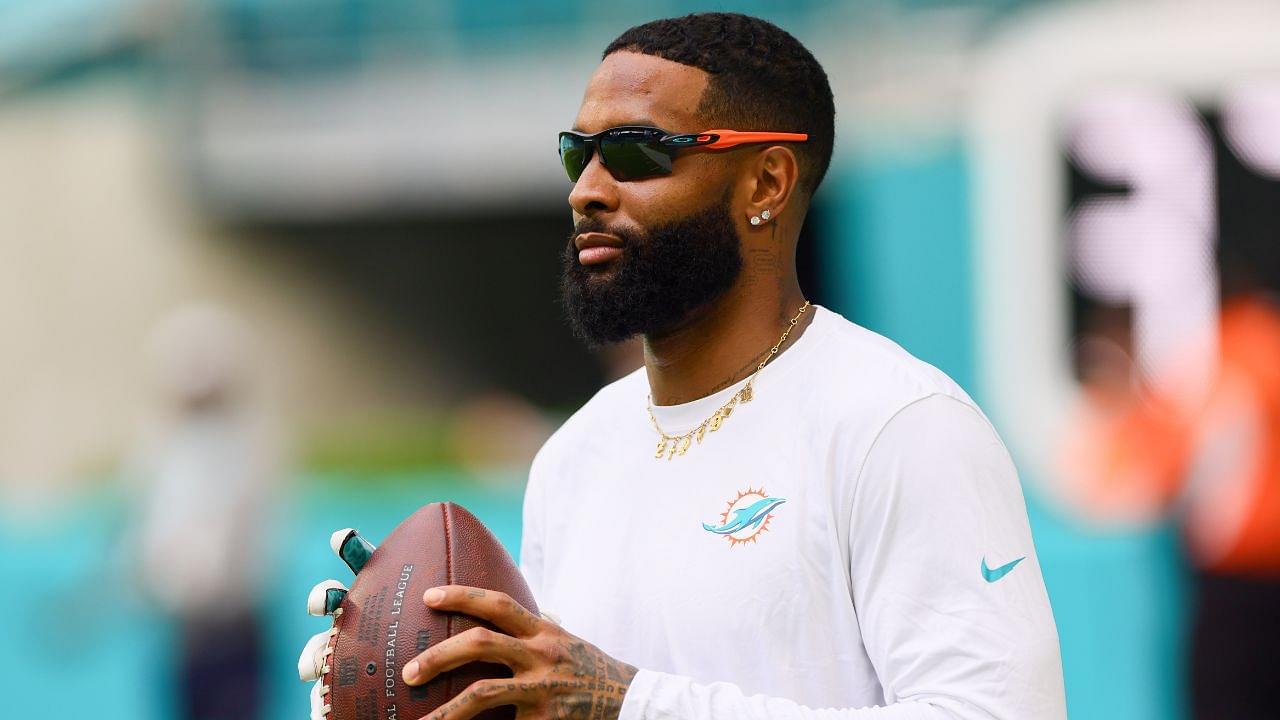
[497, 607]
[479, 696]
[354, 550]
[477, 644]
[325, 597]
[314, 656]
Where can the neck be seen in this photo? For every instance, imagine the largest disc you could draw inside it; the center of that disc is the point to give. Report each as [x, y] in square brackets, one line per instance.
[723, 343]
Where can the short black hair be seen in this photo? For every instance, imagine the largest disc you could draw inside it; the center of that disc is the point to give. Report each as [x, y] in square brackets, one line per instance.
[762, 78]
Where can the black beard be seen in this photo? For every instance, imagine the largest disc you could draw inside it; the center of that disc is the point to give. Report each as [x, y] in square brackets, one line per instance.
[660, 278]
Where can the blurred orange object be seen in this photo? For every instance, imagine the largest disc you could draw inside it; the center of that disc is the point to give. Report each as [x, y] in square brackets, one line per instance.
[1217, 459]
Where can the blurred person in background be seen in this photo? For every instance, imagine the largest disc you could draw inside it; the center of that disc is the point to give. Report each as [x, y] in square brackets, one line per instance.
[206, 479]
[497, 432]
[1209, 454]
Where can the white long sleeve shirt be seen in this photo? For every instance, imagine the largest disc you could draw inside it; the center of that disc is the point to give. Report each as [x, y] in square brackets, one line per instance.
[852, 543]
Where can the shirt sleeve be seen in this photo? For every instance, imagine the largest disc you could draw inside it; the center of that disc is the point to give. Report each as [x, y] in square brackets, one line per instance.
[945, 580]
[660, 696]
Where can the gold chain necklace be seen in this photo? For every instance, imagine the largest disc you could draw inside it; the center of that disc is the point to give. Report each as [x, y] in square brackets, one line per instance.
[672, 445]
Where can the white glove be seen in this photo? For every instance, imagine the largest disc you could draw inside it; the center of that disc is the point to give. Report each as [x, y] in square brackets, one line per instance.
[325, 599]
[319, 708]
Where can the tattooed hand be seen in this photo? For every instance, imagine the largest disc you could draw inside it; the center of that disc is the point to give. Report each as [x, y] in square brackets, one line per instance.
[556, 675]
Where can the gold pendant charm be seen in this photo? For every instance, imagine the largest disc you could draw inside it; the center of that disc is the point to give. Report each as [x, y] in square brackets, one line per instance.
[672, 445]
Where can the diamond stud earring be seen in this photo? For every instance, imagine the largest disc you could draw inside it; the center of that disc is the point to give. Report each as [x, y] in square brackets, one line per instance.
[755, 219]
[764, 215]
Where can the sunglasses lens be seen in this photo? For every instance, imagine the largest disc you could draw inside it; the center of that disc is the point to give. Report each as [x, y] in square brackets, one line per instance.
[631, 158]
[573, 154]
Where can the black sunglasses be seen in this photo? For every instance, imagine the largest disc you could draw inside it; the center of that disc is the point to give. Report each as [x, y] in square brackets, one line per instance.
[635, 152]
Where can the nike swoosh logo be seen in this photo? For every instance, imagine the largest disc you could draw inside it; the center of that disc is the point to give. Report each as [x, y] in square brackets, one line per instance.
[993, 575]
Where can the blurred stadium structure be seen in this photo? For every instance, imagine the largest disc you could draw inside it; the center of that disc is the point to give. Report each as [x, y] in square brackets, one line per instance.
[372, 186]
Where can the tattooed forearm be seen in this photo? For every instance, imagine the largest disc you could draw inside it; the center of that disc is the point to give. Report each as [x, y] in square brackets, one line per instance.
[554, 673]
[600, 681]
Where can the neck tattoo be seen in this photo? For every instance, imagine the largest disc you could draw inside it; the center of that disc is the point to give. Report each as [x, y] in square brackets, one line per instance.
[673, 445]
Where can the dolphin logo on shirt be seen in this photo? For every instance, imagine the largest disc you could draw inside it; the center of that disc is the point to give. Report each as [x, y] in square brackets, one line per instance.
[748, 517]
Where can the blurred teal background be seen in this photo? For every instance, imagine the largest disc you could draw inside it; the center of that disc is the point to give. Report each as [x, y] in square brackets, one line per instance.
[897, 270]
[893, 249]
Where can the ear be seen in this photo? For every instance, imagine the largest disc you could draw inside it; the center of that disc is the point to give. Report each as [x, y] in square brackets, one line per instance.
[774, 174]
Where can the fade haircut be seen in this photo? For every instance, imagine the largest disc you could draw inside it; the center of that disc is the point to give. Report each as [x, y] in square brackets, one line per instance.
[762, 78]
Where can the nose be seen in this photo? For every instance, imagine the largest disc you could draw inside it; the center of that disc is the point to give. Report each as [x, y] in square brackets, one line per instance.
[596, 191]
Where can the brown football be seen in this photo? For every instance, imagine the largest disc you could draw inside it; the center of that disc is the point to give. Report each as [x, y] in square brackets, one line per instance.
[382, 623]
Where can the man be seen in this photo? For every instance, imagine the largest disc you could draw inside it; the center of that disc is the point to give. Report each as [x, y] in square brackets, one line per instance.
[781, 511]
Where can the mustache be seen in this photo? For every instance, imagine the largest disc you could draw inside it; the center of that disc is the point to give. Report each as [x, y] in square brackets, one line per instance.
[598, 225]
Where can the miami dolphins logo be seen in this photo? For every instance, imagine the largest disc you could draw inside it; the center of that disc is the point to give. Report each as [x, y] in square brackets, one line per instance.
[747, 516]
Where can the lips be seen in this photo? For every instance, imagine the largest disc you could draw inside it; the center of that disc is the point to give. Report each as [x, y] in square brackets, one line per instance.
[595, 248]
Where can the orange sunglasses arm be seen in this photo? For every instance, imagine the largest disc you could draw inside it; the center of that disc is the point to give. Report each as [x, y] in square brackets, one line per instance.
[733, 138]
